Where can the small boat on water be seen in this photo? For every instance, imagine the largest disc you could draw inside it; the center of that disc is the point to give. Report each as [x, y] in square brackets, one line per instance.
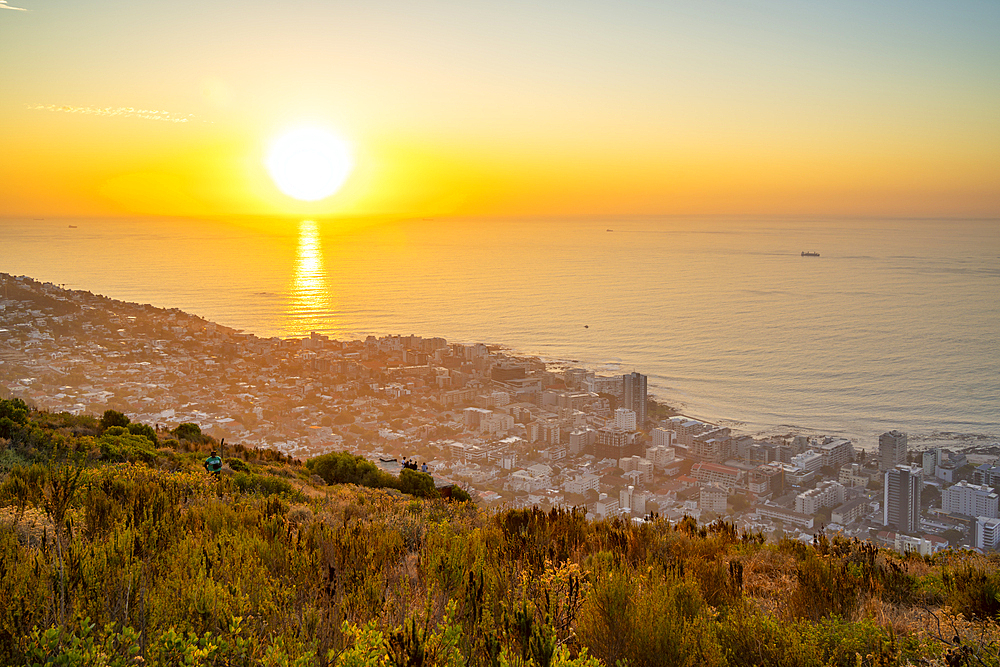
[810, 254]
[72, 226]
[386, 460]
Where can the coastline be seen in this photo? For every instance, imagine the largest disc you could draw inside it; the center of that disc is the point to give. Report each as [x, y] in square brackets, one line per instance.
[918, 441]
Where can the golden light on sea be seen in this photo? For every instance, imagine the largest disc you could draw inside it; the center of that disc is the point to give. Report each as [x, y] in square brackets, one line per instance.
[310, 300]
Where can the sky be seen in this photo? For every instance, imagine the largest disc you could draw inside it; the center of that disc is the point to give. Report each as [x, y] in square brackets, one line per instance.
[548, 107]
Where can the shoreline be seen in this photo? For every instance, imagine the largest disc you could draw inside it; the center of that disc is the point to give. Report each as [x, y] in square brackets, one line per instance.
[917, 440]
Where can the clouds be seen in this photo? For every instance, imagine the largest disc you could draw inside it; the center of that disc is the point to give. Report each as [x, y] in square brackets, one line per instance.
[119, 112]
[4, 5]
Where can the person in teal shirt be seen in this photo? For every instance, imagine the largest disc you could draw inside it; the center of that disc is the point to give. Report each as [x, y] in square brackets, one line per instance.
[213, 464]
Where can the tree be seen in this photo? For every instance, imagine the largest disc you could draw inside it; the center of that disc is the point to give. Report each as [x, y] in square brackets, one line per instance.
[417, 483]
[189, 432]
[953, 536]
[930, 496]
[13, 415]
[739, 503]
[145, 430]
[113, 418]
[824, 514]
[347, 468]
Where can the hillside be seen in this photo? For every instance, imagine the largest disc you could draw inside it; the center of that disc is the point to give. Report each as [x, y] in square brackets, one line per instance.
[117, 548]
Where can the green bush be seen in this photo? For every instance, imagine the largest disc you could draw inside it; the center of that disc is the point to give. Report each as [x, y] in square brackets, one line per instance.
[237, 465]
[189, 432]
[119, 444]
[264, 485]
[974, 590]
[113, 418]
[346, 468]
[13, 417]
[144, 430]
[417, 483]
[647, 620]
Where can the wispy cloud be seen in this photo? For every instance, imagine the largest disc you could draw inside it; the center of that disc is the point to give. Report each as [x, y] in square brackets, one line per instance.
[120, 112]
[4, 5]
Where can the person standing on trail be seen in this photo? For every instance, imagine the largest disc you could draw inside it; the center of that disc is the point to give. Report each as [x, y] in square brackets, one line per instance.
[213, 464]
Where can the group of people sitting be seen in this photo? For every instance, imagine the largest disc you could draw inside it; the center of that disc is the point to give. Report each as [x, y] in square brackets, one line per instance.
[412, 465]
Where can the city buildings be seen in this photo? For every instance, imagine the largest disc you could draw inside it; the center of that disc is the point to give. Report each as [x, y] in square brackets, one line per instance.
[988, 474]
[987, 533]
[849, 512]
[712, 499]
[976, 500]
[835, 452]
[826, 494]
[715, 474]
[505, 426]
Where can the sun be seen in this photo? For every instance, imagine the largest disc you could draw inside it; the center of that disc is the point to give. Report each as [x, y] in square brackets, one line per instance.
[309, 163]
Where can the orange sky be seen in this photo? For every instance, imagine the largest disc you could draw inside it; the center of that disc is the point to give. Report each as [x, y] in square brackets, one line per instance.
[482, 108]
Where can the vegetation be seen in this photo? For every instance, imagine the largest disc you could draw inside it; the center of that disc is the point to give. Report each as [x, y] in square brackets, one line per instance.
[112, 551]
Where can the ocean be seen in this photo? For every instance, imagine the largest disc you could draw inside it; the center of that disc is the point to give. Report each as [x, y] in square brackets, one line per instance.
[896, 325]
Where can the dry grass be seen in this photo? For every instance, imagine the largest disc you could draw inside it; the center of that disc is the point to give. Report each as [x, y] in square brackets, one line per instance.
[769, 577]
[30, 528]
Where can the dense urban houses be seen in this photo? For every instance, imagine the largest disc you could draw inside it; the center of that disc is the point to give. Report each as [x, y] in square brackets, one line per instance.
[515, 430]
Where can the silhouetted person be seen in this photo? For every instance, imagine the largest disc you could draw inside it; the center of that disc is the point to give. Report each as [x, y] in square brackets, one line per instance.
[423, 468]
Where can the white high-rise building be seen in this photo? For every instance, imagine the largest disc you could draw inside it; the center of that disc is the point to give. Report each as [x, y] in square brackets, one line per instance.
[809, 461]
[987, 533]
[976, 500]
[826, 494]
[660, 456]
[663, 437]
[930, 461]
[625, 419]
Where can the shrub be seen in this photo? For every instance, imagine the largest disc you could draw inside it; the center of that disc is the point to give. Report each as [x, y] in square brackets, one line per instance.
[13, 416]
[825, 586]
[118, 444]
[144, 430]
[645, 620]
[113, 418]
[417, 483]
[974, 591]
[189, 432]
[237, 465]
[346, 468]
[264, 485]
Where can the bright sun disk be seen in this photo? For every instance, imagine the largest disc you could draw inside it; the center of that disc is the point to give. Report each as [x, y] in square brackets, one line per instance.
[309, 163]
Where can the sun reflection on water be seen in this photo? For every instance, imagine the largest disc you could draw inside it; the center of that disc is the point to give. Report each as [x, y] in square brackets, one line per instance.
[310, 305]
